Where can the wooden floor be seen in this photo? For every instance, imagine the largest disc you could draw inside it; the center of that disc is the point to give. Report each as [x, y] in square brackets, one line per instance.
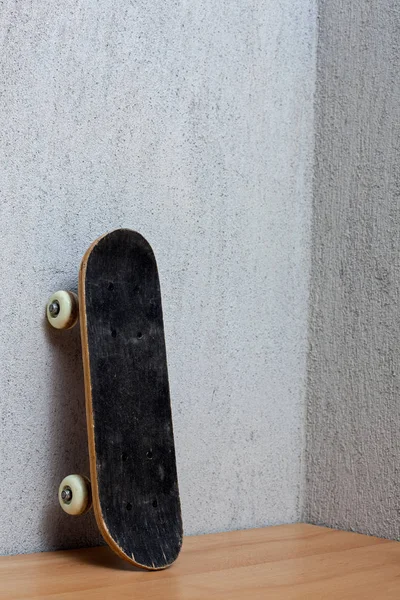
[286, 562]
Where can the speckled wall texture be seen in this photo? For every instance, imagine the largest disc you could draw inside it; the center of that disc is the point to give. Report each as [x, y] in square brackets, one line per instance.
[191, 122]
[353, 452]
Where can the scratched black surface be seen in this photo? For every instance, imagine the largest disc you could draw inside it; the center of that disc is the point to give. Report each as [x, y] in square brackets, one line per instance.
[136, 469]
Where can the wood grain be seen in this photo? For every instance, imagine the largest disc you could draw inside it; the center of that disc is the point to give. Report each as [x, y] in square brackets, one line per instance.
[290, 562]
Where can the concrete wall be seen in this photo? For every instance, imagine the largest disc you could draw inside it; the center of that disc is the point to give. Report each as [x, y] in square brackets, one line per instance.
[191, 122]
[353, 450]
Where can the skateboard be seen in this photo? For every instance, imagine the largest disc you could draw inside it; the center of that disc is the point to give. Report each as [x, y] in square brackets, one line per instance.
[133, 478]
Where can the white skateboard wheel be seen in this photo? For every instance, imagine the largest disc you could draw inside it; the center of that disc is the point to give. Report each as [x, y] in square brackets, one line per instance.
[74, 494]
[62, 310]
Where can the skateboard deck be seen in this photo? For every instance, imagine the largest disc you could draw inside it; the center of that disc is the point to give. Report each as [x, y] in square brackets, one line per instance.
[130, 434]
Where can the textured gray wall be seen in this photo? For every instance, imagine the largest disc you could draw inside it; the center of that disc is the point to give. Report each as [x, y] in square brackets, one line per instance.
[190, 121]
[353, 449]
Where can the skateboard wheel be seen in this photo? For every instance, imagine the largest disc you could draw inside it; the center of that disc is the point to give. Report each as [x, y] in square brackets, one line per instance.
[74, 494]
[62, 310]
